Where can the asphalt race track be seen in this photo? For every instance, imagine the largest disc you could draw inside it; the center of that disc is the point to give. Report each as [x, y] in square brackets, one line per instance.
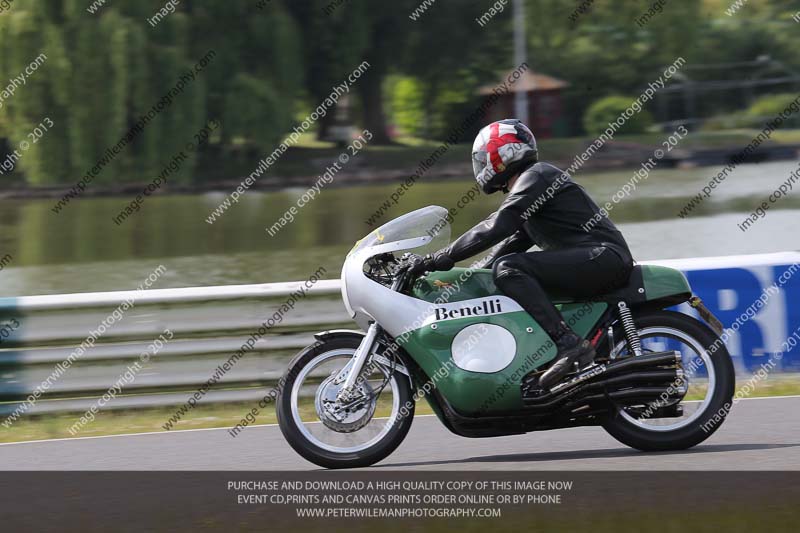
[760, 434]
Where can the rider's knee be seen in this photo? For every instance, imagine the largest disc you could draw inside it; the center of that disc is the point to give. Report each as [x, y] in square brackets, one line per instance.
[504, 267]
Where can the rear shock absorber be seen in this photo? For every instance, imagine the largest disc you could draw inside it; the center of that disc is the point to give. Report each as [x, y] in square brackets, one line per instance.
[631, 333]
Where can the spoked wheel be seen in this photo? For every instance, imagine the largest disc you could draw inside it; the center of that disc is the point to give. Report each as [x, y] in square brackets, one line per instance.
[709, 381]
[339, 434]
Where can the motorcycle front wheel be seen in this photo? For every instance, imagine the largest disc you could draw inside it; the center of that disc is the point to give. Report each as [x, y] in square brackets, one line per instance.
[330, 433]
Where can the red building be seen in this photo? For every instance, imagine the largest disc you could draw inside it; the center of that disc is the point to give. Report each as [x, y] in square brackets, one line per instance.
[543, 94]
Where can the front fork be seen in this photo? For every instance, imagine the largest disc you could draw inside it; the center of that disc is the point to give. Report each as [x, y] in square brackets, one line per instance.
[349, 374]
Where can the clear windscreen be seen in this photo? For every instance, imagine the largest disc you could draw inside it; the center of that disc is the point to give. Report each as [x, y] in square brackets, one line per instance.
[431, 221]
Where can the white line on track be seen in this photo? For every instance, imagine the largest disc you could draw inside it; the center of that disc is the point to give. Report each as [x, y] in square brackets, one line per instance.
[157, 433]
[263, 426]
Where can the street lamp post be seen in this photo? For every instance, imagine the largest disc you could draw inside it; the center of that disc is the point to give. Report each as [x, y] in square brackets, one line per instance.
[520, 97]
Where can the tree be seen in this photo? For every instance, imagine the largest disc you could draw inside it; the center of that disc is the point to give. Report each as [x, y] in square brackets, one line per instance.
[334, 43]
[257, 73]
[103, 72]
[451, 56]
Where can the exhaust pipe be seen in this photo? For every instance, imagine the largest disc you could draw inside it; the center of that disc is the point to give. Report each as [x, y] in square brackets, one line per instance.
[665, 377]
[653, 369]
[628, 397]
[667, 359]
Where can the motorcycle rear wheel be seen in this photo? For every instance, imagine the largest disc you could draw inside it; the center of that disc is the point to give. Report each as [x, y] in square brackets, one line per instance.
[709, 412]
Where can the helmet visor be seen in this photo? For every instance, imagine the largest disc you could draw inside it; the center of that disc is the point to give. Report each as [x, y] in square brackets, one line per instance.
[479, 162]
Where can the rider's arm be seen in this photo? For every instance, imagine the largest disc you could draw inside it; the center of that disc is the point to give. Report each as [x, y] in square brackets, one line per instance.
[503, 223]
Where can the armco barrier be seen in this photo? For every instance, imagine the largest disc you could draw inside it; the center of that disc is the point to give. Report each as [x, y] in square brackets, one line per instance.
[210, 323]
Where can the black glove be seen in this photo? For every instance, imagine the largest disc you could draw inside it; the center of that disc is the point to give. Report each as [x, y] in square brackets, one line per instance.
[430, 263]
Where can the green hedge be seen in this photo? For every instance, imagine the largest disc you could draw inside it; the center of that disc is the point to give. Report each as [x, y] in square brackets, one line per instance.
[608, 109]
[768, 107]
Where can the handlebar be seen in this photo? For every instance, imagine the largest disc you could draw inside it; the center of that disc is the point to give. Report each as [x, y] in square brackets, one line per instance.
[400, 276]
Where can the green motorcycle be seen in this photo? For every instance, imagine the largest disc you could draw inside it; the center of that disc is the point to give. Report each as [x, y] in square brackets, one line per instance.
[660, 381]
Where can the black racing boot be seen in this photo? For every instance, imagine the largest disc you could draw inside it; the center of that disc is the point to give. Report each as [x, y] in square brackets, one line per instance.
[571, 349]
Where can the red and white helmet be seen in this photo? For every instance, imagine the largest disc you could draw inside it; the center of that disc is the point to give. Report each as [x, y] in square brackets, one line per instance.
[500, 151]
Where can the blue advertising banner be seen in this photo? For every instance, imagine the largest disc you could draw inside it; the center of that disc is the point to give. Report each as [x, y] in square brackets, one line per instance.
[757, 299]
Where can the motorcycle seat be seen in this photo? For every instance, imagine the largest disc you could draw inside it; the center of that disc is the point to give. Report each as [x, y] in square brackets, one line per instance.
[632, 292]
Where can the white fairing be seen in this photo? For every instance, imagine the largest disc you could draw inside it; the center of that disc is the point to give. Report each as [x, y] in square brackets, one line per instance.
[483, 348]
[422, 231]
[368, 301]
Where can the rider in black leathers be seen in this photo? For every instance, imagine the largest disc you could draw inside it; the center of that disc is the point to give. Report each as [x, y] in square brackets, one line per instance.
[583, 253]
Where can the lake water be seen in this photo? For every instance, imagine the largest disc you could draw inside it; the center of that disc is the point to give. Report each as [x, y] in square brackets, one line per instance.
[81, 249]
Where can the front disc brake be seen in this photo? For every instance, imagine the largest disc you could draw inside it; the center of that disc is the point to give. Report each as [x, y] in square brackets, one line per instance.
[344, 417]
